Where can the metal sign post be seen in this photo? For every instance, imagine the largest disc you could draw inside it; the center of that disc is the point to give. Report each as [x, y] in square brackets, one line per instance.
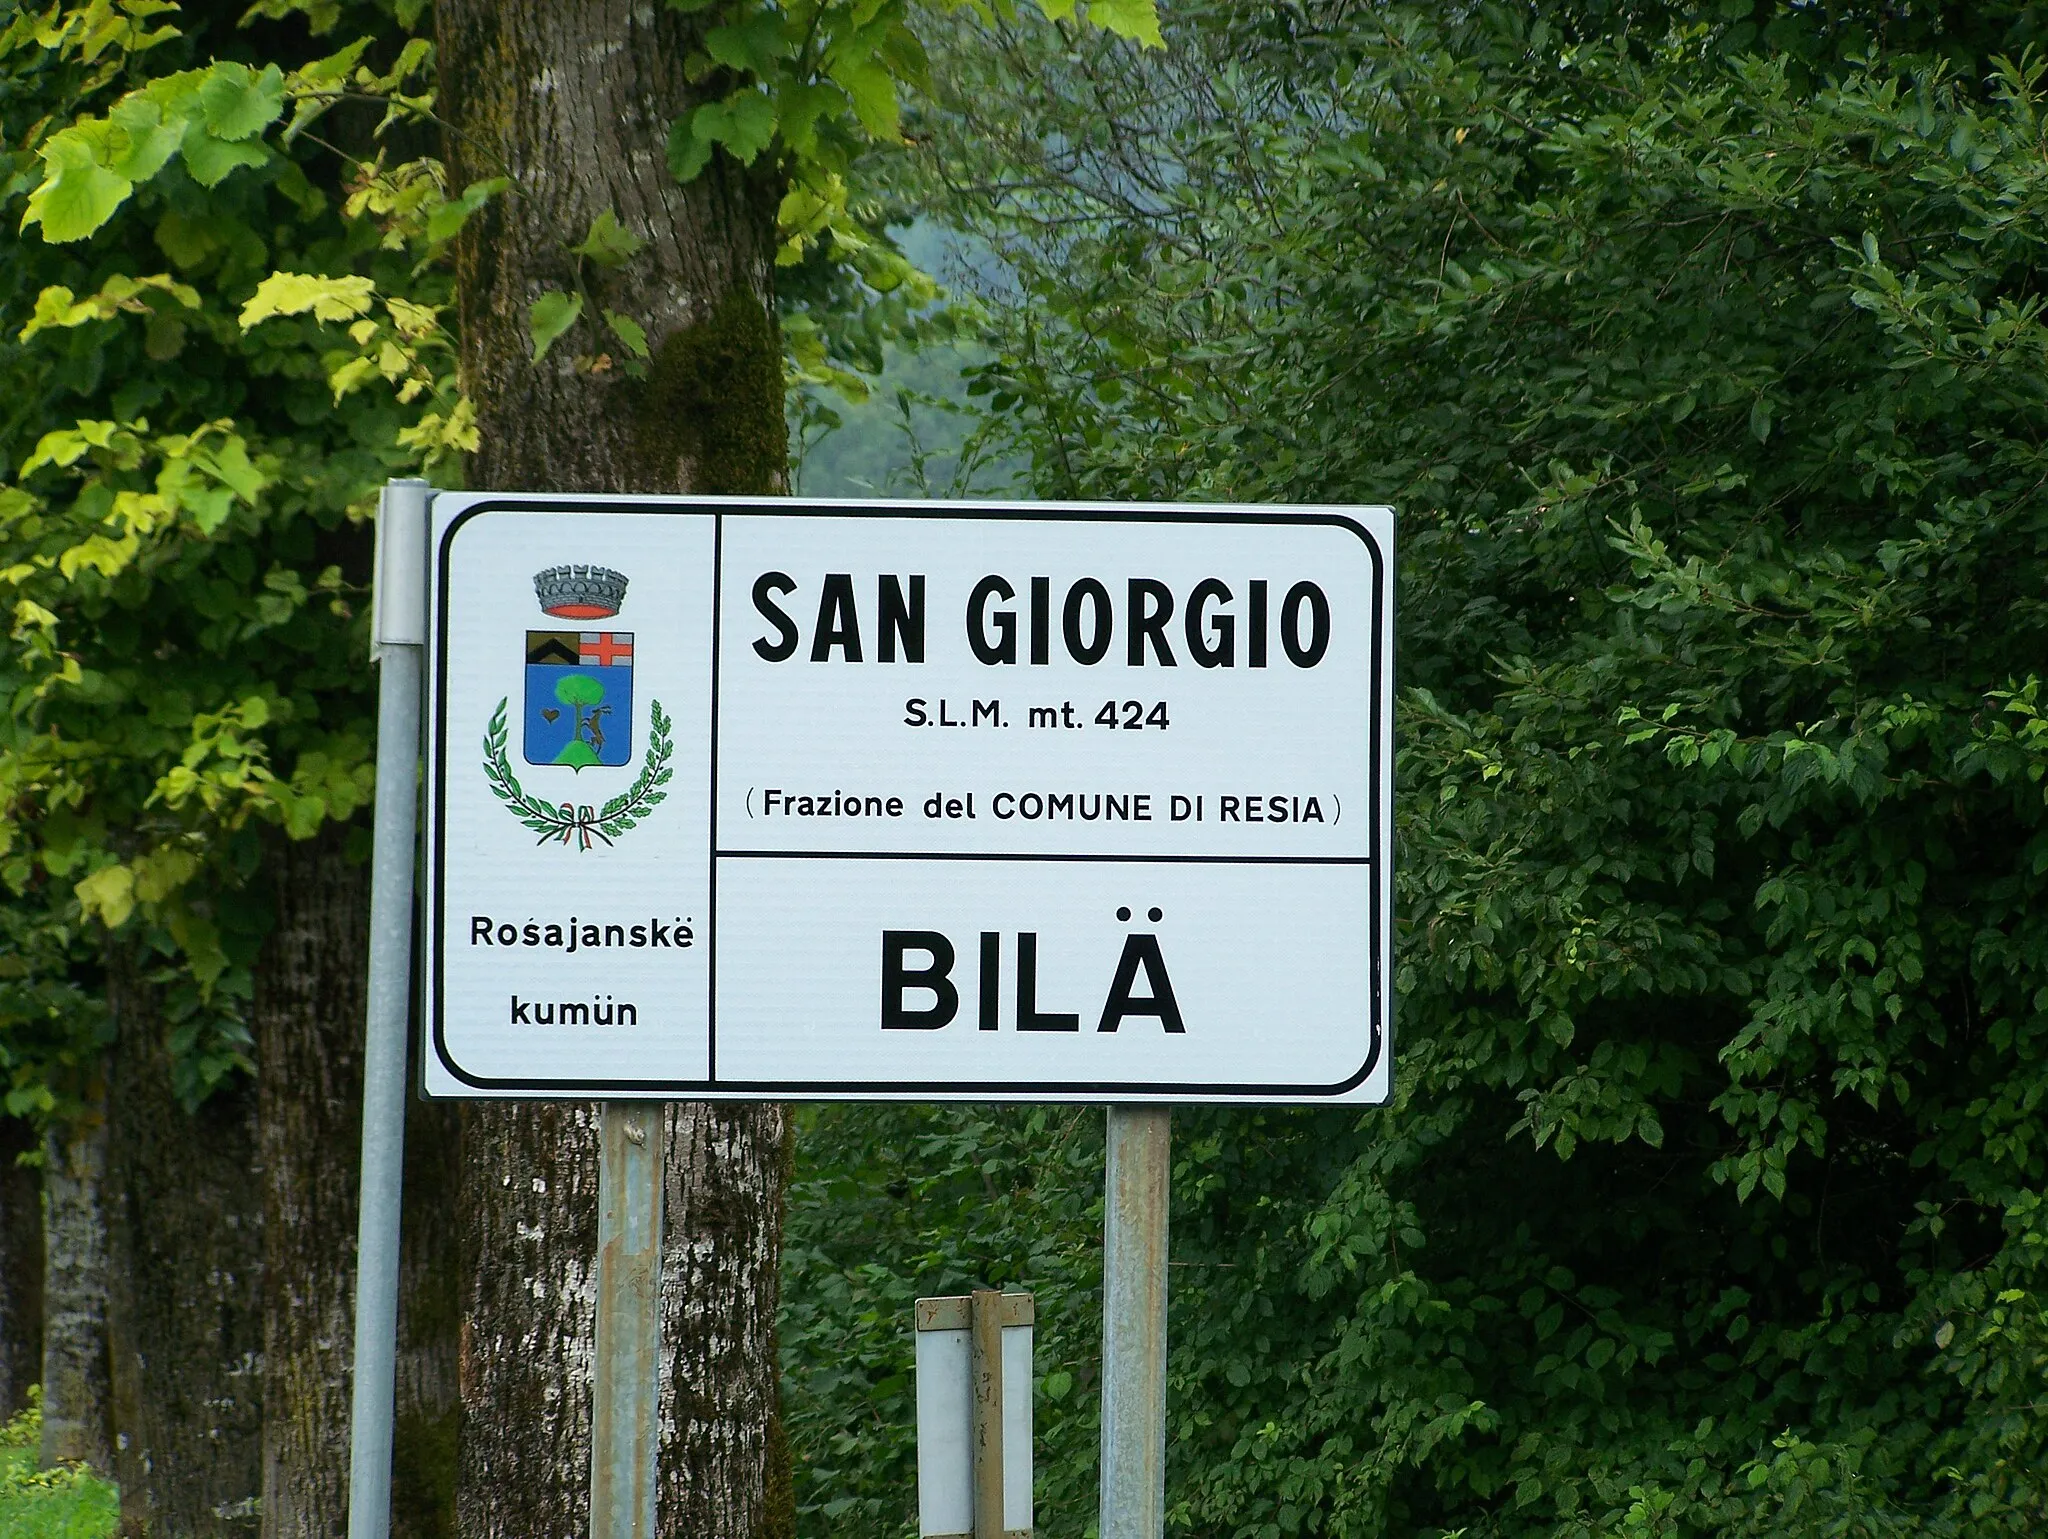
[1133, 1494]
[974, 1416]
[625, 1370]
[399, 637]
[625, 1373]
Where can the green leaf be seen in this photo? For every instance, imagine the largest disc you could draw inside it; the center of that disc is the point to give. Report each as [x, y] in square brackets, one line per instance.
[333, 69]
[77, 194]
[229, 462]
[447, 220]
[238, 103]
[211, 160]
[185, 240]
[872, 90]
[744, 123]
[551, 315]
[628, 331]
[143, 139]
[751, 46]
[688, 153]
[330, 299]
[162, 872]
[56, 306]
[800, 107]
[1136, 20]
[109, 895]
[609, 243]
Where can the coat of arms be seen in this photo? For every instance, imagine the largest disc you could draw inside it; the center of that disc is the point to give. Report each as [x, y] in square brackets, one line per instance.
[578, 712]
[579, 697]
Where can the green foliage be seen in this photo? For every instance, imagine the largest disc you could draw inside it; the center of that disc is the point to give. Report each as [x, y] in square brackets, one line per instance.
[67, 1502]
[184, 537]
[228, 310]
[1707, 376]
[552, 314]
[52, 1026]
[816, 80]
[206, 116]
[809, 94]
[609, 244]
[891, 1204]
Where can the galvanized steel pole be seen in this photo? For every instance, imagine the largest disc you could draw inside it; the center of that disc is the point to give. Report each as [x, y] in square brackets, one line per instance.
[625, 1382]
[1134, 1323]
[399, 634]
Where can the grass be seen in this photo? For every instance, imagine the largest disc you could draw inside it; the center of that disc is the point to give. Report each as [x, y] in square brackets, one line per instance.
[67, 1502]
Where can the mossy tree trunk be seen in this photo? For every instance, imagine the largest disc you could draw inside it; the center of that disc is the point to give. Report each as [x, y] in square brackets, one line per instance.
[184, 1208]
[77, 1409]
[428, 1411]
[21, 1267]
[307, 1014]
[573, 99]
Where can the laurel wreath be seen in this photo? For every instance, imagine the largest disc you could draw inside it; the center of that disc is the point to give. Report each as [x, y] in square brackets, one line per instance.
[570, 823]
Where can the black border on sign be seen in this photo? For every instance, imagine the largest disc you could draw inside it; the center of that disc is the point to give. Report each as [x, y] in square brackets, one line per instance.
[899, 1090]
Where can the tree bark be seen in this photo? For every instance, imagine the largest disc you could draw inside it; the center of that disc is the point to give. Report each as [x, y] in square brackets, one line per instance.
[307, 1014]
[427, 1416]
[529, 1217]
[185, 1294]
[77, 1393]
[724, 1465]
[572, 99]
[21, 1267]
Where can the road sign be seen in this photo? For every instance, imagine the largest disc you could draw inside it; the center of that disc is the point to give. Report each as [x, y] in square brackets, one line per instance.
[908, 801]
[974, 1385]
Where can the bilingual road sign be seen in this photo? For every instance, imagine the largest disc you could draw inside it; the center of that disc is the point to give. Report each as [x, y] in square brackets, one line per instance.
[912, 801]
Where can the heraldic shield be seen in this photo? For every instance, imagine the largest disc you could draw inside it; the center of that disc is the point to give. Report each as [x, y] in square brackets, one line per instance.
[579, 697]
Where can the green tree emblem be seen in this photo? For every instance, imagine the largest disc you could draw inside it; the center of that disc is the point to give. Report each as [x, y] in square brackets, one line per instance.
[585, 696]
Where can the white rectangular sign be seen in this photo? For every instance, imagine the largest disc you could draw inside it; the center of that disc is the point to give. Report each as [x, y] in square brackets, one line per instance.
[909, 801]
[945, 1418]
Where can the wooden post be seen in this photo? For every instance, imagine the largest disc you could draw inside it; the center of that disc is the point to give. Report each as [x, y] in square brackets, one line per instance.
[985, 1334]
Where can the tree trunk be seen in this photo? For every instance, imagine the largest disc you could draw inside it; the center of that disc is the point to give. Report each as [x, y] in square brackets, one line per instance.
[724, 1466]
[573, 99]
[185, 1294]
[77, 1394]
[428, 1412]
[21, 1267]
[308, 1017]
[529, 1226]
